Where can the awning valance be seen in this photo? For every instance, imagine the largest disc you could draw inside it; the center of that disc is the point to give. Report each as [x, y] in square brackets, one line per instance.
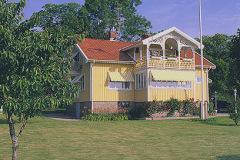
[159, 75]
[121, 77]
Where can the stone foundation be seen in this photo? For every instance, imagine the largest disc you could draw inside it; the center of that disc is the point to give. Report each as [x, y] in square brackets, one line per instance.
[82, 108]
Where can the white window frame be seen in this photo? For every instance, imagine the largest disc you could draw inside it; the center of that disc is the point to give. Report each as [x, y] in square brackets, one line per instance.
[140, 80]
[119, 88]
[198, 78]
[154, 85]
[156, 49]
[81, 83]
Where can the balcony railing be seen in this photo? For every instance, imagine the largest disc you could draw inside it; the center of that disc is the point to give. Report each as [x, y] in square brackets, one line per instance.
[164, 63]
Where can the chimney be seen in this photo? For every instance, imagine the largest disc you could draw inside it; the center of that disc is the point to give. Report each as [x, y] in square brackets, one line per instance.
[146, 36]
[113, 36]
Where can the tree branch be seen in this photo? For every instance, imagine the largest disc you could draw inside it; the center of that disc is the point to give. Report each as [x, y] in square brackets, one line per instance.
[11, 126]
[23, 126]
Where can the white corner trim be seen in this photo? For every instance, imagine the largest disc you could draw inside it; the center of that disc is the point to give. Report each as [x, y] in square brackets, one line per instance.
[81, 52]
[91, 85]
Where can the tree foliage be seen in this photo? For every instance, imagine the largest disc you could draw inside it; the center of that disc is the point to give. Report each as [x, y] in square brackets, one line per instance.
[34, 74]
[97, 18]
[235, 59]
[65, 15]
[217, 50]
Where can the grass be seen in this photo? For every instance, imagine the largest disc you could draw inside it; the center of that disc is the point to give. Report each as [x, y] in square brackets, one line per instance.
[44, 138]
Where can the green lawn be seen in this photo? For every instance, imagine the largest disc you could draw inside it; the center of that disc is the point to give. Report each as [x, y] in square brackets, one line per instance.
[44, 138]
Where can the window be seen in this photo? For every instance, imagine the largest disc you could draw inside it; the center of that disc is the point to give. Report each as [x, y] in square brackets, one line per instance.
[111, 85]
[140, 81]
[81, 83]
[198, 79]
[119, 85]
[171, 84]
[156, 52]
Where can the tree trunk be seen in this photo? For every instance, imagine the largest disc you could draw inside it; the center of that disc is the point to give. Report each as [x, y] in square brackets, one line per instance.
[14, 138]
[14, 149]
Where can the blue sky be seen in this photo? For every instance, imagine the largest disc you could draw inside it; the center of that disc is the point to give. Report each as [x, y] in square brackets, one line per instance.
[218, 16]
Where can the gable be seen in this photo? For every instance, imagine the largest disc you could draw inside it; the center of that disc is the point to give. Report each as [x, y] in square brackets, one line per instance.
[175, 33]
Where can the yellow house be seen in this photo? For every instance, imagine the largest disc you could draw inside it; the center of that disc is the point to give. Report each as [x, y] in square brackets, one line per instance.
[113, 74]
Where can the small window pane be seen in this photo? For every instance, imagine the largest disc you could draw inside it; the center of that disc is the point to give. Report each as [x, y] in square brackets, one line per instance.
[144, 81]
[119, 85]
[127, 85]
[174, 84]
[199, 80]
[169, 84]
[184, 84]
[153, 83]
[112, 84]
[189, 84]
[179, 84]
[164, 84]
[159, 84]
[137, 80]
[141, 82]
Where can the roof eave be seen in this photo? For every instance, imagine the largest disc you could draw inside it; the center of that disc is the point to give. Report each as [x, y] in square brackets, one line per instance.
[206, 66]
[110, 61]
[131, 46]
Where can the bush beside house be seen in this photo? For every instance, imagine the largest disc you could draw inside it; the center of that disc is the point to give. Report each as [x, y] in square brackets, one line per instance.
[172, 108]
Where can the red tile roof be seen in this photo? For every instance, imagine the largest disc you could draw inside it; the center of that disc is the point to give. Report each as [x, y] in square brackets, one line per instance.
[197, 58]
[105, 49]
[97, 49]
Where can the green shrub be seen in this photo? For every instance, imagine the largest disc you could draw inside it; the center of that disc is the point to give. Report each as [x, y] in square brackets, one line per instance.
[153, 107]
[232, 108]
[172, 105]
[185, 107]
[190, 107]
[106, 117]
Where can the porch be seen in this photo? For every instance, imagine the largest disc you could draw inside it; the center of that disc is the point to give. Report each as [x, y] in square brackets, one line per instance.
[165, 63]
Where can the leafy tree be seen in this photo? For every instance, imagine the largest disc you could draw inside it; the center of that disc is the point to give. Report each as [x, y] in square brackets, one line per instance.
[97, 18]
[235, 59]
[217, 50]
[65, 15]
[34, 74]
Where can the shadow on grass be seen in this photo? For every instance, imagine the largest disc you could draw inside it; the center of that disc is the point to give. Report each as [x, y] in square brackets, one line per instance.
[213, 121]
[227, 157]
[3, 121]
[54, 111]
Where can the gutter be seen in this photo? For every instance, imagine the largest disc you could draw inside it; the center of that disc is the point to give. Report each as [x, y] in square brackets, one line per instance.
[110, 61]
[91, 85]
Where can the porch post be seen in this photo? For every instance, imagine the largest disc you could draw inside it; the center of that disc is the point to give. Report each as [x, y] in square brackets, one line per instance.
[179, 48]
[164, 54]
[193, 57]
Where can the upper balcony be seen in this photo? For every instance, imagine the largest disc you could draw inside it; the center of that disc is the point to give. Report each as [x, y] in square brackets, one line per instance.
[166, 63]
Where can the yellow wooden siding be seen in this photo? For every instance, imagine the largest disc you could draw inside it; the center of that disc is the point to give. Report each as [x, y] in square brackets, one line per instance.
[166, 94]
[100, 83]
[198, 93]
[137, 55]
[140, 95]
[144, 50]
